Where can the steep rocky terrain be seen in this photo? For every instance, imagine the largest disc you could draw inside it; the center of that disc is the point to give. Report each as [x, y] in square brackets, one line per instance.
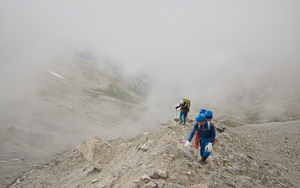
[59, 103]
[262, 155]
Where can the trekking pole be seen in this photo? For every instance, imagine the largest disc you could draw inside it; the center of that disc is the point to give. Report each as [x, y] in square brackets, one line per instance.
[176, 112]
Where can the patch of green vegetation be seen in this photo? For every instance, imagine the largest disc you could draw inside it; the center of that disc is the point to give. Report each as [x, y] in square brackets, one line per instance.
[123, 87]
[141, 88]
[114, 91]
[134, 84]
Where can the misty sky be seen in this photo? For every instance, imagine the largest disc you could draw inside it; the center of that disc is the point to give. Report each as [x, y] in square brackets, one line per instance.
[195, 49]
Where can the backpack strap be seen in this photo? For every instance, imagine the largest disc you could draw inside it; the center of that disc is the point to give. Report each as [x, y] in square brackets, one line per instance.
[208, 125]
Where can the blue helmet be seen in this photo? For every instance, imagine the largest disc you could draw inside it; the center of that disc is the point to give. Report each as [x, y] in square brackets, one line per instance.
[209, 114]
[202, 111]
[200, 118]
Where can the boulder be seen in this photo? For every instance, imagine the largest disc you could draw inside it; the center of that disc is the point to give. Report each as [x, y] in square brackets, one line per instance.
[184, 152]
[170, 149]
[96, 150]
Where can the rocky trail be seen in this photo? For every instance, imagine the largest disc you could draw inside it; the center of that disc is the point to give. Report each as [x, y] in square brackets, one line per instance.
[261, 155]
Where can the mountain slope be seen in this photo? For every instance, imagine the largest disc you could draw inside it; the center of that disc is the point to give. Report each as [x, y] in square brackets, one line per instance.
[159, 159]
[60, 102]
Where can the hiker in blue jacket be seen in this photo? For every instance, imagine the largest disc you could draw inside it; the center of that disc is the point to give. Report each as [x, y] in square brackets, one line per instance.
[206, 135]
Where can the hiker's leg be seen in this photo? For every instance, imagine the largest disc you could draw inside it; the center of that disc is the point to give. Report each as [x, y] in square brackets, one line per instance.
[180, 116]
[202, 148]
[184, 117]
[207, 152]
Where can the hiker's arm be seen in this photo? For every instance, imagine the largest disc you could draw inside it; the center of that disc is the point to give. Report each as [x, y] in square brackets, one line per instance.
[213, 131]
[178, 106]
[193, 132]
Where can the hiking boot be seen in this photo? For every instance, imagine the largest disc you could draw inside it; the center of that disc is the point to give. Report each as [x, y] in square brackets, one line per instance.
[180, 122]
[202, 160]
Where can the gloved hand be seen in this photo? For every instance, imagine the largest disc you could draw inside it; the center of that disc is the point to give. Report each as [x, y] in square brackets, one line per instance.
[209, 147]
[187, 144]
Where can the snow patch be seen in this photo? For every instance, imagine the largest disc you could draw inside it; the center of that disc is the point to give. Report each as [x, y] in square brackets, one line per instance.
[55, 74]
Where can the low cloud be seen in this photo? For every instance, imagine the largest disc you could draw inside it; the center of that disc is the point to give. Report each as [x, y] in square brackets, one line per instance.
[221, 55]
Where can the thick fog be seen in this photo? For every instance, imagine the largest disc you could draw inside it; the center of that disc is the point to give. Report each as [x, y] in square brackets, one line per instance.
[223, 55]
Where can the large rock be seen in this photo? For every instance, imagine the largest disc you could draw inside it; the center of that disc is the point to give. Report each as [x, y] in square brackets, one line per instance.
[96, 150]
[184, 152]
[170, 149]
[156, 174]
[141, 181]
[150, 185]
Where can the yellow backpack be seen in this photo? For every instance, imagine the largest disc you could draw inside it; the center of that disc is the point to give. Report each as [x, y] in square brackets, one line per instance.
[187, 104]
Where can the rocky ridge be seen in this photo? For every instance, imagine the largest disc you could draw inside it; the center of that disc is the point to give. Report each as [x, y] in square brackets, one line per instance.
[159, 159]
